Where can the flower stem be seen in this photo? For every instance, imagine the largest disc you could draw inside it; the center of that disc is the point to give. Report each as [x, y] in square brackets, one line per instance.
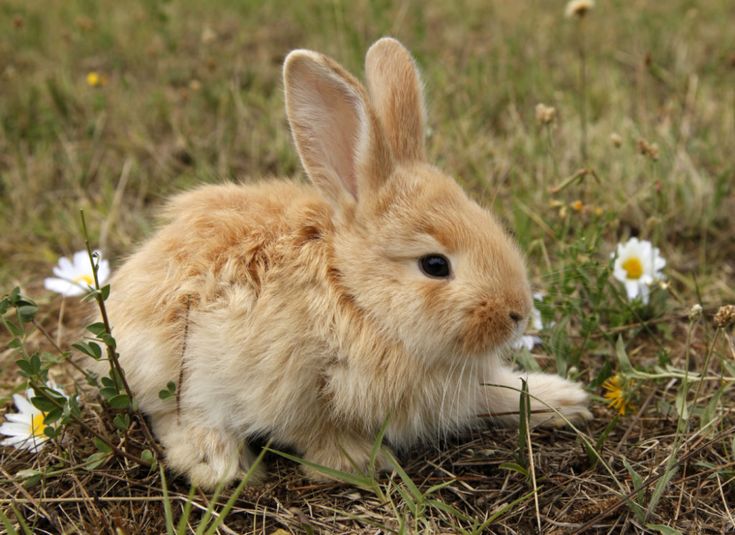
[583, 92]
[111, 353]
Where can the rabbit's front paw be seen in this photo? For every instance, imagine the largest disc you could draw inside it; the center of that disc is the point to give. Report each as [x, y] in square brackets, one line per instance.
[207, 456]
[567, 397]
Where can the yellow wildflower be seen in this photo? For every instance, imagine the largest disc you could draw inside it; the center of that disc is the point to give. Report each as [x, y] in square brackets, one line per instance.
[95, 79]
[616, 393]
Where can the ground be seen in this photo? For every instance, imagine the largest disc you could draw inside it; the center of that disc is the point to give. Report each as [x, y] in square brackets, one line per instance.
[111, 107]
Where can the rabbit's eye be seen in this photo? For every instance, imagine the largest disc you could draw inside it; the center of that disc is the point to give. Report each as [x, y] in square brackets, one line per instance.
[435, 266]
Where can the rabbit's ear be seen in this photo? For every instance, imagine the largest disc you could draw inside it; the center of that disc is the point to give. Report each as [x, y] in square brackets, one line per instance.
[334, 127]
[396, 92]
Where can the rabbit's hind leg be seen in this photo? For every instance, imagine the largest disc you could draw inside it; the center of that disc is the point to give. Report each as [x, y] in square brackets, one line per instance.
[344, 452]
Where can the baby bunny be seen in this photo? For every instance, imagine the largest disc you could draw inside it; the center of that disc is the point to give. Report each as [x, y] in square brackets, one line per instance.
[313, 314]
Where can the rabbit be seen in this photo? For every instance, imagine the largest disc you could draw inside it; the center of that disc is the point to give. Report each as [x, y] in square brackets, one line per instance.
[313, 313]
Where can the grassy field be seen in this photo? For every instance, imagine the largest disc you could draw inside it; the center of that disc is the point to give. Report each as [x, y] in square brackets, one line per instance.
[111, 107]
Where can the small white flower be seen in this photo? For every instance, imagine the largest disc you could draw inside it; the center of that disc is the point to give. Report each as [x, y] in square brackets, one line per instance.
[25, 428]
[75, 277]
[638, 265]
[529, 341]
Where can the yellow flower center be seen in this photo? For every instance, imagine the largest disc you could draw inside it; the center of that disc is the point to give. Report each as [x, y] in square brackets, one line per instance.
[87, 279]
[633, 267]
[38, 425]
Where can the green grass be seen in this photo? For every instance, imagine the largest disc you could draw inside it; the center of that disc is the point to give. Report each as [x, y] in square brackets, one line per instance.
[193, 94]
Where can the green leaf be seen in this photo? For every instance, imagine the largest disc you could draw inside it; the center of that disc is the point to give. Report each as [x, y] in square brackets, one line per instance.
[105, 292]
[446, 508]
[27, 473]
[97, 328]
[167, 513]
[514, 467]
[91, 349]
[710, 410]
[25, 367]
[524, 409]
[101, 445]
[43, 404]
[36, 363]
[96, 460]
[121, 401]
[439, 486]
[638, 497]
[346, 477]
[91, 295]
[121, 421]
[186, 513]
[15, 330]
[682, 407]
[53, 415]
[73, 406]
[26, 313]
[413, 489]
[32, 481]
[623, 360]
[109, 392]
[147, 456]
[108, 340]
[500, 511]
[664, 529]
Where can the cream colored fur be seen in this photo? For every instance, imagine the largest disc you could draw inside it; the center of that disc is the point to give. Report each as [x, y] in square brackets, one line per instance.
[300, 313]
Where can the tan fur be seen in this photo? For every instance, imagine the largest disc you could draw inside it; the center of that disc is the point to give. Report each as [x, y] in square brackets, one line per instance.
[307, 315]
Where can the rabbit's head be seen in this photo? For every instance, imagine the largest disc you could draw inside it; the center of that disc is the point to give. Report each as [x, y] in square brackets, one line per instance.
[410, 250]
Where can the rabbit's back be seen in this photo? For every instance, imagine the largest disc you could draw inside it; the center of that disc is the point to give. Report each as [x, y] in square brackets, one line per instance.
[220, 251]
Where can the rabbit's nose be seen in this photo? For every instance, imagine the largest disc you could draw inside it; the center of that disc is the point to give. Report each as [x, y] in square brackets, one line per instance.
[515, 316]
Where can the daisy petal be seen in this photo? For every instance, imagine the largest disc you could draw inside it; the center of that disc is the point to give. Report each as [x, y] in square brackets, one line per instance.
[63, 287]
[103, 273]
[65, 266]
[632, 288]
[24, 406]
[13, 441]
[18, 418]
[16, 429]
[81, 262]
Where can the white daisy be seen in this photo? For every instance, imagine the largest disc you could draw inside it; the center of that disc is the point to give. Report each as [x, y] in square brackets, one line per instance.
[75, 277]
[25, 428]
[529, 341]
[638, 265]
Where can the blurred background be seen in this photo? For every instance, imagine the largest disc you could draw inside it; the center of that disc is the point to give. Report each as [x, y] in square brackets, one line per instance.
[112, 106]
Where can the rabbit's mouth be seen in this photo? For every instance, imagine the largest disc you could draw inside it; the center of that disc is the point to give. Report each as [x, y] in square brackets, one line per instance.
[490, 326]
